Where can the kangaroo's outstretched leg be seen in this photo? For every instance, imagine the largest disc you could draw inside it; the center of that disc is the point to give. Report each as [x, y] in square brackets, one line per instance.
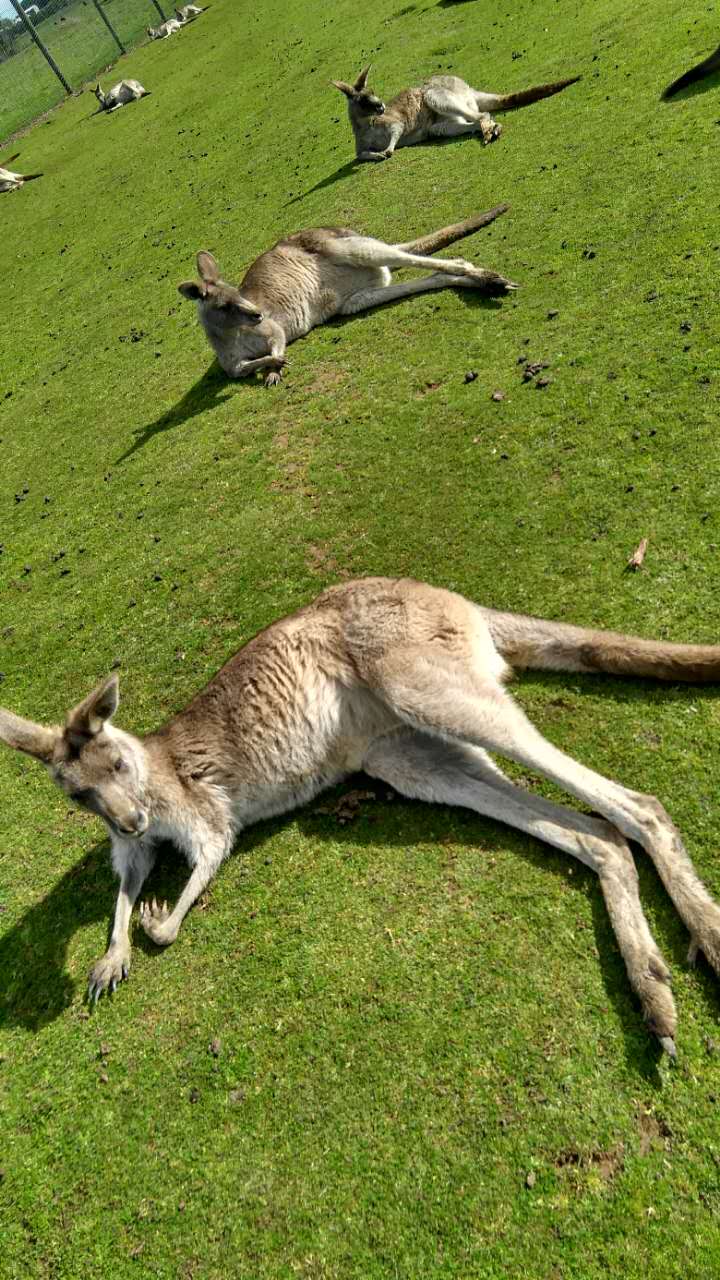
[460, 702]
[362, 251]
[133, 860]
[488, 282]
[424, 768]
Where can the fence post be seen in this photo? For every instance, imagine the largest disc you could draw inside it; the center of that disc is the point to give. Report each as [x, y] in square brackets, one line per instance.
[44, 51]
[157, 6]
[110, 27]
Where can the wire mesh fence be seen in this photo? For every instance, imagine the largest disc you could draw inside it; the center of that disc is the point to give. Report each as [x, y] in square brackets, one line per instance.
[51, 47]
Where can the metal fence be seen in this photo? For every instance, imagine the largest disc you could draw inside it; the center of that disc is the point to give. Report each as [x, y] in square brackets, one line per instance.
[49, 48]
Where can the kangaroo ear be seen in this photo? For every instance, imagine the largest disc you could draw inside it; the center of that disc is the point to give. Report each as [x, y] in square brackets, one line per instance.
[191, 290]
[347, 89]
[362, 78]
[24, 735]
[88, 717]
[208, 268]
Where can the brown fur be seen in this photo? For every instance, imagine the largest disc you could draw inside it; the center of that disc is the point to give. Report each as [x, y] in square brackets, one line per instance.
[310, 276]
[443, 107]
[405, 681]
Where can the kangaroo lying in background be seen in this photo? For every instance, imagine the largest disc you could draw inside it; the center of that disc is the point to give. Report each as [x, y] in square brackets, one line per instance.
[313, 275]
[10, 181]
[405, 681]
[443, 107]
[711, 63]
[165, 29]
[188, 12]
[121, 93]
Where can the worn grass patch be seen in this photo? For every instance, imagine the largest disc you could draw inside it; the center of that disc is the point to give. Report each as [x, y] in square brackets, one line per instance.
[429, 1061]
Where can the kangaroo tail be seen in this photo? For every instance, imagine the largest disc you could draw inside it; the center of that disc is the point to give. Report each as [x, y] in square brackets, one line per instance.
[711, 63]
[30, 177]
[538, 645]
[448, 235]
[524, 97]
[4, 163]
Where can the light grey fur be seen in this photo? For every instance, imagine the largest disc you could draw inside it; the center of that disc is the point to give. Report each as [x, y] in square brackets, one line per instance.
[313, 275]
[405, 681]
[442, 107]
[166, 29]
[121, 93]
[188, 12]
[10, 181]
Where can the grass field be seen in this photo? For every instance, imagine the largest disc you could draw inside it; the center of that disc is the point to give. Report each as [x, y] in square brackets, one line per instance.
[81, 45]
[426, 1061]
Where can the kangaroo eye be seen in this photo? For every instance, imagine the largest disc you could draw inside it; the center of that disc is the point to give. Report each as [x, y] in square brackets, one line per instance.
[119, 765]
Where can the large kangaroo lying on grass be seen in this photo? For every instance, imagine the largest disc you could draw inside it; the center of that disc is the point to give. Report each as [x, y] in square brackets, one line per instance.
[443, 107]
[121, 93]
[313, 275]
[10, 181]
[405, 681]
[706, 68]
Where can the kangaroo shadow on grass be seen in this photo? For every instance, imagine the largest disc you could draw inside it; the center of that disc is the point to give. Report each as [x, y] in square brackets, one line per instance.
[343, 171]
[203, 395]
[706, 85]
[35, 987]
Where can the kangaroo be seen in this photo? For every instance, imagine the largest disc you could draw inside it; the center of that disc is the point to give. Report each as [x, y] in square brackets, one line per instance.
[711, 63]
[188, 12]
[10, 181]
[405, 681]
[313, 275]
[121, 93]
[165, 29]
[443, 107]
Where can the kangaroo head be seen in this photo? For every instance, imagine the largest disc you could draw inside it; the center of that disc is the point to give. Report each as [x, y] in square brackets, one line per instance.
[99, 93]
[361, 99]
[99, 767]
[222, 303]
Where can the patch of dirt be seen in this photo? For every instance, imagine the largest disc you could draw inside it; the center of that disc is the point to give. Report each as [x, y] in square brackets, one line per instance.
[319, 559]
[655, 1134]
[608, 1164]
[346, 808]
[327, 380]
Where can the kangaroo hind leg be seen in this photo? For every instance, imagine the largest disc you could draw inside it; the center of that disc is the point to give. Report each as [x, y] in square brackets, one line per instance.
[363, 251]
[461, 702]
[424, 768]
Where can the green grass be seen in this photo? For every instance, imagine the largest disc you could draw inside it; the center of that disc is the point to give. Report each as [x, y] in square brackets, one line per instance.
[419, 1009]
[82, 47]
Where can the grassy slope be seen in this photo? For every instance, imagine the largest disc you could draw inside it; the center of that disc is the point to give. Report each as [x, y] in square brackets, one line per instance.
[416, 1010]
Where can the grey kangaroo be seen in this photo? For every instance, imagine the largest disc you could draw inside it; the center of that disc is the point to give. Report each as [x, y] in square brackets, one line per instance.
[443, 107]
[10, 181]
[705, 68]
[407, 682]
[313, 275]
[121, 93]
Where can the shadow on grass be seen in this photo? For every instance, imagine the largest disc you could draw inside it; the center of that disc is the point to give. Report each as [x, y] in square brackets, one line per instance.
[343, 171]
[205, 394]
[706, 85]
[35, 987]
